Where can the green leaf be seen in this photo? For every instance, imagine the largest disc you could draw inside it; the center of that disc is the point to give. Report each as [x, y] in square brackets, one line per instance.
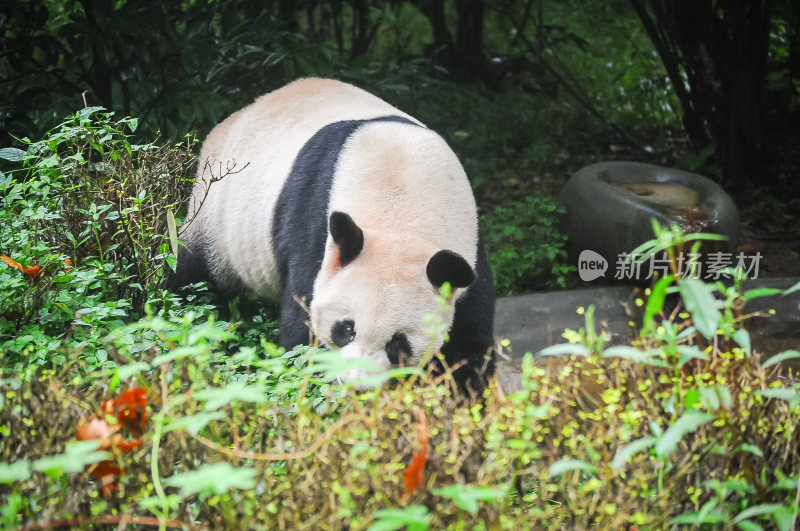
[88, 111]
[77, 455]
[213, 479]
[752, 448]
[761, 292]
[566, 465]
[629, 450]
[656, 301]
[723, 394]
[783, 356]
[217, 397]
[757, 510]
[687, 423]
[11, 154]
[710, 398]
[790, 394]
[172, 230]
[791, 290]
[332, 365]
[564, 349]
[378, 379]
[466, 497]
[126, 371]
[690, 352]
[784, 518]
[742, 337]
[18, 471]
[708, 514]
[194, 423]
[747, 525]
[634, 355]
[178, 353]
[699, 300]
[416, 517]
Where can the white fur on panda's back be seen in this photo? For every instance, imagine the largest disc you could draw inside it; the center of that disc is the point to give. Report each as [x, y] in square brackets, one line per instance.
[263, 139]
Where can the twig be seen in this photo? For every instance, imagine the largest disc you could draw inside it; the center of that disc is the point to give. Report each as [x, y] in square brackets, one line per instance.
[230, 170]
[796, 503]
[286, 456]
[123, 520]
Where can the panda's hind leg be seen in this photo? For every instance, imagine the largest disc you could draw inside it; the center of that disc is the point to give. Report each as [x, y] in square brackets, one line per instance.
[192, 267]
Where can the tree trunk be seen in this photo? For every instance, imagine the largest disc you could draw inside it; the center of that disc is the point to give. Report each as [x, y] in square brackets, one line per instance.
[715, 53]
[100, 75]
[469, 37]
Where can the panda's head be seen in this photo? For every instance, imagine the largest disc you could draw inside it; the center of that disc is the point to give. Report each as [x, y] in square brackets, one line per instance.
[373, 292]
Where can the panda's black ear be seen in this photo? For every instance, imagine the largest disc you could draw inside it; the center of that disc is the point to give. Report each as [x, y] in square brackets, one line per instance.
[347, 236]
[447, 266]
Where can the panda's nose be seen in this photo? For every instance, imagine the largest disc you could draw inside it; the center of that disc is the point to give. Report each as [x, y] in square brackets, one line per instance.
[398, 349]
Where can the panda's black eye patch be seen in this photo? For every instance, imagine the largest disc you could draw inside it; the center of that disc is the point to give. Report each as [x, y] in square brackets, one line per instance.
[343, 332]
[398, 348]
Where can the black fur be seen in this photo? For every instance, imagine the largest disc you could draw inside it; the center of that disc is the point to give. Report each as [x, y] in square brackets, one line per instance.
[343, 333]
[347, 236]
[472, 334]
[447, 266]
[192, 267]
[301, 226]
[398, 348]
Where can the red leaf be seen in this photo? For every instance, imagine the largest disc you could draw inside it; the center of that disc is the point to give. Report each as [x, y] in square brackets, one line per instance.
[130, 408]
[125, 445]
[33, 272]
[414, 474]
[108, 473]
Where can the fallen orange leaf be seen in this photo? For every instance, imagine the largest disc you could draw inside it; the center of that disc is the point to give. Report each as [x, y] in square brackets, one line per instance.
[130, 409]
[414, 474]
[33, 272]
[108, 473]
[13, 263]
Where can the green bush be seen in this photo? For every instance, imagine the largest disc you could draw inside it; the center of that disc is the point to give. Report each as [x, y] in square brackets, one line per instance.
[651, 435]
[526, 249]
[90, 208]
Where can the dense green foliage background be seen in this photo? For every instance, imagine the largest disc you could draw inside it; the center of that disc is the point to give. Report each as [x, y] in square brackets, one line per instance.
[526, 91]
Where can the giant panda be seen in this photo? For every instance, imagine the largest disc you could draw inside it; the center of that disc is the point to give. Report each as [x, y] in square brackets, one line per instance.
[351, 214]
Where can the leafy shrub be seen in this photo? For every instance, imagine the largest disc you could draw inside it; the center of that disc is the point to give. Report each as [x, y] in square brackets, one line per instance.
[652, 435]
[526, 249]
[90, 209]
